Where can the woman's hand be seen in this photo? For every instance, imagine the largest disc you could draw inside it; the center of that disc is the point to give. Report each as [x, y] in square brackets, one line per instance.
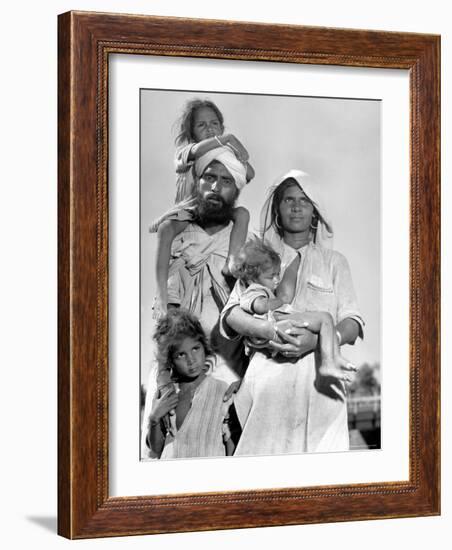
[163, 405]
[297, 340]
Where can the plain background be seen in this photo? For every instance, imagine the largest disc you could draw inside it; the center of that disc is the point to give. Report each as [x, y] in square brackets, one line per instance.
[28, 302]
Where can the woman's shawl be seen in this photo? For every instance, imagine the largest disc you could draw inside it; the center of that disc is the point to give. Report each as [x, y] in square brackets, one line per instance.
[324, 233]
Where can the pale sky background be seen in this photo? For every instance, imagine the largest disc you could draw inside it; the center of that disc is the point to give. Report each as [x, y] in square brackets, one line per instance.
[337, 141]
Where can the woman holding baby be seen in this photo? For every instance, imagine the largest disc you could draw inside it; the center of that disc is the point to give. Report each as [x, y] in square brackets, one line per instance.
[286, 404]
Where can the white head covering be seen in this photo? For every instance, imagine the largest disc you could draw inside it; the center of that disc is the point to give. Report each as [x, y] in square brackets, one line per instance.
[324, 234]
[227, 159]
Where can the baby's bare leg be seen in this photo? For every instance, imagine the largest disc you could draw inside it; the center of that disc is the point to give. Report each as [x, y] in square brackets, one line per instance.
[331, 361]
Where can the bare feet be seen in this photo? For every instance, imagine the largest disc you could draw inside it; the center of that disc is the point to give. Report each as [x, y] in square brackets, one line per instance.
[339, 369]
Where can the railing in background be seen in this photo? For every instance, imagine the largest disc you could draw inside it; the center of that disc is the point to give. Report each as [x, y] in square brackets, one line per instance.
[364, 417]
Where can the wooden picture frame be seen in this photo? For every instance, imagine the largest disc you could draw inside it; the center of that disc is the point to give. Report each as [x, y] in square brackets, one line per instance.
[85, 42]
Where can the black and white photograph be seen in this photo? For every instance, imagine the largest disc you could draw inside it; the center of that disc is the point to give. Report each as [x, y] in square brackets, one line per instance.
[260, 274]
[224, 234]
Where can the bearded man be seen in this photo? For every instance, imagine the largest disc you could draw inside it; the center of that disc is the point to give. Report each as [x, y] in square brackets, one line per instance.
[198, 255]
[199, 252]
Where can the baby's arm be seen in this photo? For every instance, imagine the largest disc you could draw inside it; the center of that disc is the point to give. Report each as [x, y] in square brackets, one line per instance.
[167, 232]
[287, 286]
[263, 304]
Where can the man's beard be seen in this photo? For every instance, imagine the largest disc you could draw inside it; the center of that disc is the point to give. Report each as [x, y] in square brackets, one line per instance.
[208, 211]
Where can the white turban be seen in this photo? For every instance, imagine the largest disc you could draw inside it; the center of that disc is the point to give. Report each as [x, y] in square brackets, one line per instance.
[228, 160]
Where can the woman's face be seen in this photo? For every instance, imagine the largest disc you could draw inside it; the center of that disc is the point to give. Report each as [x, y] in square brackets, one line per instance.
[295, 210]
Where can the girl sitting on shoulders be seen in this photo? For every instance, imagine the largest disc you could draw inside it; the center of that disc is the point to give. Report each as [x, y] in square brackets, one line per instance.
[201, 129]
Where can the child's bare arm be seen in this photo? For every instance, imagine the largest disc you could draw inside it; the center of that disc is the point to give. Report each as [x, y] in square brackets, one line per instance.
[263, 305]
[156, 438]
[240, 152]
[287, 286]
[239, 232]
[204, 146]
[236, 145]
[166, 234]
[250, 173]
[241, 218]
[162, 405]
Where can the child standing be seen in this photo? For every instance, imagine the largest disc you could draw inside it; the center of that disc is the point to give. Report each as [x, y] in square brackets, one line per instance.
[259, 291]
[201, 130]
[198, 425]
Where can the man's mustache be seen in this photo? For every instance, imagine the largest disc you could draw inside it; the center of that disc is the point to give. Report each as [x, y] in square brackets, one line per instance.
[213, 207]
[215, 196]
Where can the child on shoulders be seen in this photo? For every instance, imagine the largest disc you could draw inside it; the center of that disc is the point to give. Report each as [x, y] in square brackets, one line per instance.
[201, 130]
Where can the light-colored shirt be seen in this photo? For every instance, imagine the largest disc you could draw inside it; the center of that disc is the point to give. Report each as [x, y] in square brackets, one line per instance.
[202, 430]
[184, 173]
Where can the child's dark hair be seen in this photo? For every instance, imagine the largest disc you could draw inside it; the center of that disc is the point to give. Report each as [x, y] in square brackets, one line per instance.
[187, 118]
[255, 257]
[176, 325]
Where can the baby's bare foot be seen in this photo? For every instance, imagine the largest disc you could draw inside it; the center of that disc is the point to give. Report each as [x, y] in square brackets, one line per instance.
[337, 369]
